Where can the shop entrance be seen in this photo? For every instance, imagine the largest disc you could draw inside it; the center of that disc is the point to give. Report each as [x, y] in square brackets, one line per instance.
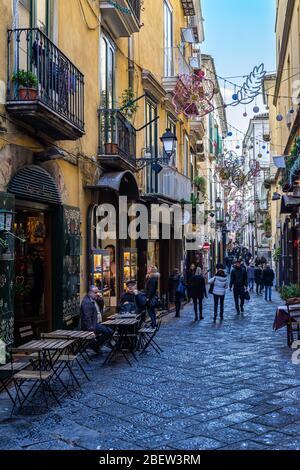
[33, 267]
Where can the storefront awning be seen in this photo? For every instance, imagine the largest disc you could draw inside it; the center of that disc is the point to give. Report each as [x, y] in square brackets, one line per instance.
[123, 183]
[289, 203]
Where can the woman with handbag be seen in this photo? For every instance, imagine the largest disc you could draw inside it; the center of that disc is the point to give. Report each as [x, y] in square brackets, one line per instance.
[177, 290]
[151, 288]
[218, 287]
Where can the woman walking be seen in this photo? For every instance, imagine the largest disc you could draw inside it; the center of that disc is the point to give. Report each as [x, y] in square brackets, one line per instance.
[151, 288]
[198, 292]
[220, 285]
[177, 290]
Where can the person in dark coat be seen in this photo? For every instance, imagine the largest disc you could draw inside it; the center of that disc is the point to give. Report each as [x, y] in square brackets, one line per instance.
[175, 296]
[268, 277]
[89, 311]
[132, 300]
[258, 279]
[190, 274]
[151, 291]
[198, 292]
[239, 283]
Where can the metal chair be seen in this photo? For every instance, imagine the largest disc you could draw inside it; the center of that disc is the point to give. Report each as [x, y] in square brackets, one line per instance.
[293, 323]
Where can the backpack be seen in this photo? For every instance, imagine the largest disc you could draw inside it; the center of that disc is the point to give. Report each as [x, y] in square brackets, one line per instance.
[181, 288]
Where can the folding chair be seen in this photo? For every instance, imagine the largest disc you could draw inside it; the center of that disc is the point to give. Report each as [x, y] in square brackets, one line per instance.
[6, 377]
[26, 334]
[147, 335]
[293, 323]
[40, 378]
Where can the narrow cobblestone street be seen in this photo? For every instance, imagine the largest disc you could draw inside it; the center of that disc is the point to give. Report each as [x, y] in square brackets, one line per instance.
[224, 386]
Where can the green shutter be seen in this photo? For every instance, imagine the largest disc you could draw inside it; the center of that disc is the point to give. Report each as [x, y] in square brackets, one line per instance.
[7, 201]
[66, 296]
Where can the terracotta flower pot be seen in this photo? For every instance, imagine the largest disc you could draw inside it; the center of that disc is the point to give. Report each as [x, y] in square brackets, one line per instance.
[29, 94]
[111, 149]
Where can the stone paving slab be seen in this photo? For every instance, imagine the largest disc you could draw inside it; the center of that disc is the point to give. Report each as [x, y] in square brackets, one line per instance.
[226, 386]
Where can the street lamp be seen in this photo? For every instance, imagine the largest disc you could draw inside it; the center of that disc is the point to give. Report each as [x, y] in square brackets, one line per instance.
[169, 140]
[218, 203]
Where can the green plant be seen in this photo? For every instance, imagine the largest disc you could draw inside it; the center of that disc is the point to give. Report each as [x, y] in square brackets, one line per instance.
[289, 292]
[129, 106]
[277, 255]
[200, 183]
[25, 79]
[267, 224]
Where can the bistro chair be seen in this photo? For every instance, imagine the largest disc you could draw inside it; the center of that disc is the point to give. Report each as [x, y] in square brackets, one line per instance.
[147, 336]
[26, 334]
[293, 323]
[7, 372]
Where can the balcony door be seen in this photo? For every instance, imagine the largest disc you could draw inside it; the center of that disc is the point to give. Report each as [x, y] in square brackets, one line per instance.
[107, 73]
[151, 144]
[36, 14]
[168, 40]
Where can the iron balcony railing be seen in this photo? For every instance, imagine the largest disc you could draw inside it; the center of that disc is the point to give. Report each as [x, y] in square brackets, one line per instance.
[175, 63]
[169, 183]
[117, 136]
[39, 71]
[135, 6]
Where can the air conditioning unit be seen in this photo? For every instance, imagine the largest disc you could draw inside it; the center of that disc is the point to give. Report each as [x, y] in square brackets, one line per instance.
[188, 35]
[195, 62]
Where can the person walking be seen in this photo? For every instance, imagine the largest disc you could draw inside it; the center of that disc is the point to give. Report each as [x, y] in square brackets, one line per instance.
[198, 292]
[251, 277]
[177, 288]
[239, 283]
[220, 285]
[268, 277]
[151, 288]
[190, 274]
[258, 279]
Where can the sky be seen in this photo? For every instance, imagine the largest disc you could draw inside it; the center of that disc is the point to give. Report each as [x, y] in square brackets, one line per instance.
[239, 34]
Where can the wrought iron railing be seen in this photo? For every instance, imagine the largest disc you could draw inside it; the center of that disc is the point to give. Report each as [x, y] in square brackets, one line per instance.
[117, 136]
[38, 70]
[135, 6]
[170, 183]
[175, 63]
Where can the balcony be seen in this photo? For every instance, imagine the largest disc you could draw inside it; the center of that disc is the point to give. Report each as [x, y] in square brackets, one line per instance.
[175, 64]
[44, 88]
[117, 141]
[122, 18]
[188, 7]
[169, 183]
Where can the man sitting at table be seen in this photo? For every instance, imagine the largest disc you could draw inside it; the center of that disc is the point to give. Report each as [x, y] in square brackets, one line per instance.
[91, 319]
[132, 301]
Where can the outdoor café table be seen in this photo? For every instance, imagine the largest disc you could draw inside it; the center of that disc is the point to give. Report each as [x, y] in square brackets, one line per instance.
[48, 351]
[81, 339]
[283, 319]
[123, 326]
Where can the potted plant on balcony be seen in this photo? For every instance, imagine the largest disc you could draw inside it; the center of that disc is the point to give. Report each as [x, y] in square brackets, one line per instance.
[27, 85]
[129, 106]
[200, 183]
[268, 227]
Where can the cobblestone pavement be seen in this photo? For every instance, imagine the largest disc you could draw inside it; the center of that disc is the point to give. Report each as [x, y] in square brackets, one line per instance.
[223, 386]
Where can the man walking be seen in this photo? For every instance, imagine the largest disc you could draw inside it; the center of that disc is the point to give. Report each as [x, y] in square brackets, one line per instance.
[268, 277]
[251, 277]
[258, 279]
[239, 283]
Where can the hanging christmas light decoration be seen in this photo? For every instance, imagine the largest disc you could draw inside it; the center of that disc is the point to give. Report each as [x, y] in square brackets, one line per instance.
[252, 86]
[279, 117]
[193, 95]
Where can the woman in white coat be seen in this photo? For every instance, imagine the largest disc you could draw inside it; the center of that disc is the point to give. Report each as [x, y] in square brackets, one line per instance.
[220, 286]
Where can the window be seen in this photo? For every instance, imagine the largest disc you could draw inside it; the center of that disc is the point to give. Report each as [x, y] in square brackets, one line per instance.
[186, 155]
[36, 14]
[168, 40]
[171, 124]
[107, 73]
[151, 143]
